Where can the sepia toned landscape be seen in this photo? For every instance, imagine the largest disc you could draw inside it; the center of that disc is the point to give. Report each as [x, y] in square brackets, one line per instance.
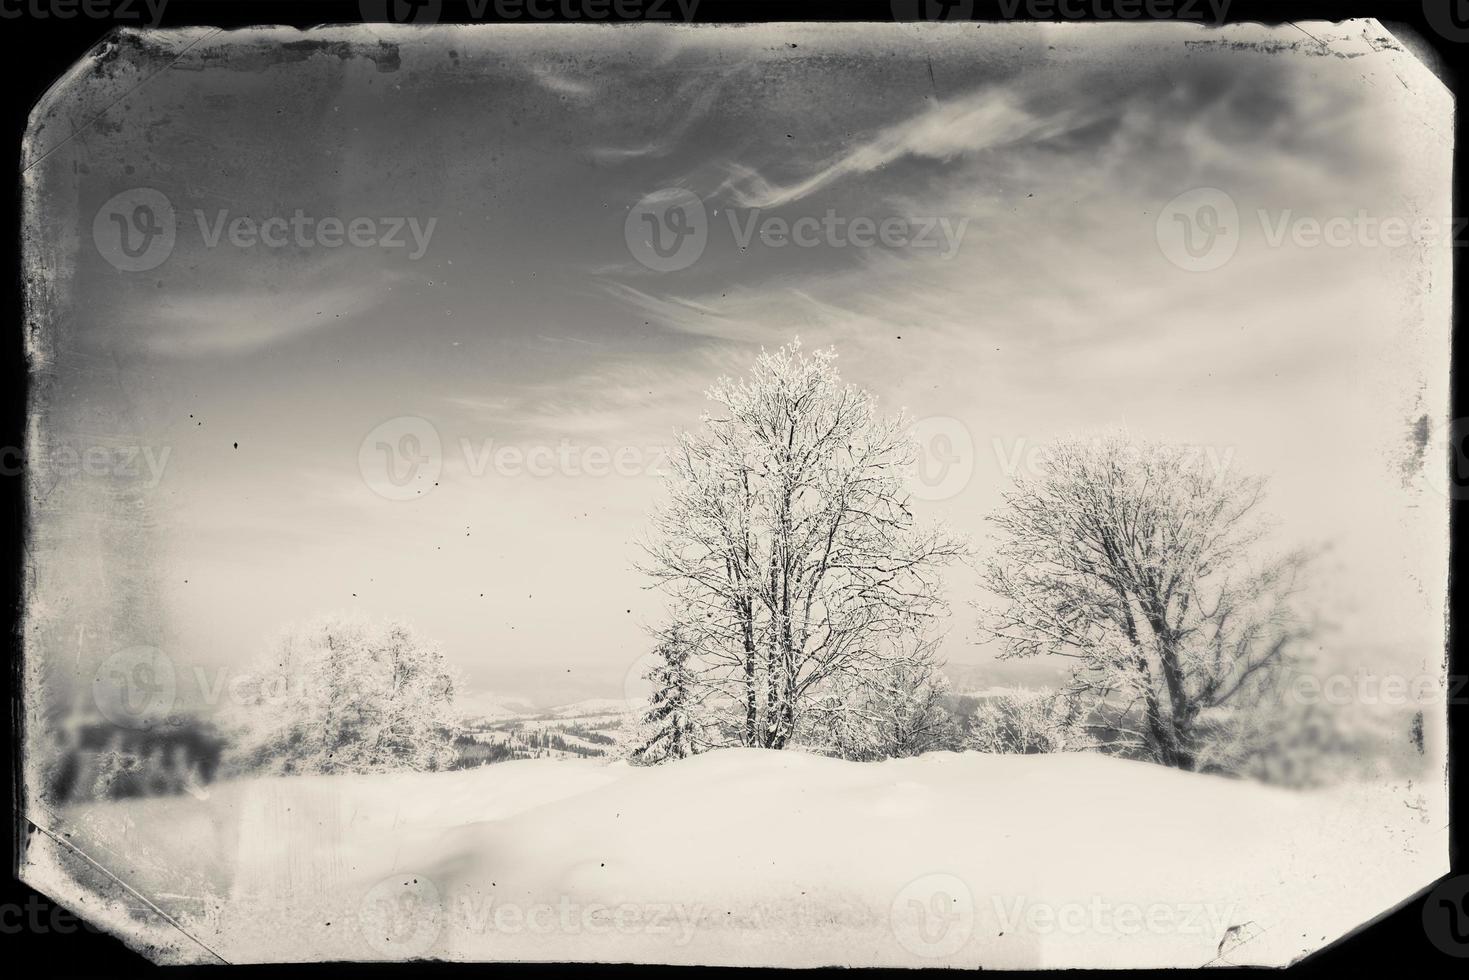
[793, 495]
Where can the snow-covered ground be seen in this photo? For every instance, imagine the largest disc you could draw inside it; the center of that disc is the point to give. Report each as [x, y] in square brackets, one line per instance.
[781, 858]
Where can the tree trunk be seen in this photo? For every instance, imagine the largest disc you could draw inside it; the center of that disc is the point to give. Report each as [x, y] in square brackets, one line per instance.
[772, 700]
[745, 613]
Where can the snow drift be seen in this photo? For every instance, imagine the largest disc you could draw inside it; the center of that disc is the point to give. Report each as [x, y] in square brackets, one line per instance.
[756, 857]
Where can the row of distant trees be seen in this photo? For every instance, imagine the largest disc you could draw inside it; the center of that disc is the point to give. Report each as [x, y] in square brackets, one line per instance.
[805, 594]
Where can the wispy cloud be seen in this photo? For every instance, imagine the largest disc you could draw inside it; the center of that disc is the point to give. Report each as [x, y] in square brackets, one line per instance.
[211, 322]
[986, 119]
[563, 84]
[699, 95]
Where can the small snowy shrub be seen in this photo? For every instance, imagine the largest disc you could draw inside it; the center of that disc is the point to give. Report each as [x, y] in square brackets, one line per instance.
[1026, 722]
[892, 712]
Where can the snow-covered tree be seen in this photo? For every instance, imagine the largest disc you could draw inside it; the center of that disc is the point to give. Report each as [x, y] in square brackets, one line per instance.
[1277, 736]
[668, 729]
[342, 695]
[1144, 562]
[895, 711]
[786, 545]
[1021, 722]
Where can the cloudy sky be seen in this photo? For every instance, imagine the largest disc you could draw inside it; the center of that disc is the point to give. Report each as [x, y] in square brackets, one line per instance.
[1061, 300]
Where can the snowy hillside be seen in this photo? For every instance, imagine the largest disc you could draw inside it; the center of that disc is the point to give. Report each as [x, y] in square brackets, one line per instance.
[756, 857]
[594, 707]
[492, 707]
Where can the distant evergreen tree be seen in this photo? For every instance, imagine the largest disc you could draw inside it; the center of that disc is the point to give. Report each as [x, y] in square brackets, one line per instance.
[668, 724]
